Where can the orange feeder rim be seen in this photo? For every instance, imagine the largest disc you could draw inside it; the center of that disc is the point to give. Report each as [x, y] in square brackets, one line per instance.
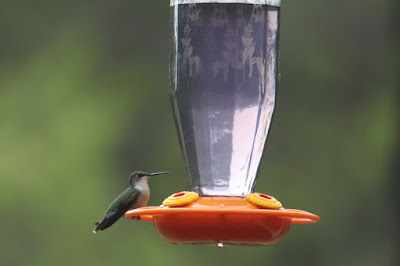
[222, 205]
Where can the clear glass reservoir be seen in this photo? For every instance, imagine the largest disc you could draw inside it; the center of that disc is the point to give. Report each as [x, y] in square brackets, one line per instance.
[223, 78]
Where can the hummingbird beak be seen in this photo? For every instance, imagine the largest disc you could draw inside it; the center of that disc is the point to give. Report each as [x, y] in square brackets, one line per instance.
[159, 173]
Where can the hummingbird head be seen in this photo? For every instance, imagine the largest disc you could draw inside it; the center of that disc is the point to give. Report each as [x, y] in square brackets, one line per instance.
[138, 176]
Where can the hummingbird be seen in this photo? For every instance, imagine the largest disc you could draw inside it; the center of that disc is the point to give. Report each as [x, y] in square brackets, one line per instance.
[135, 196]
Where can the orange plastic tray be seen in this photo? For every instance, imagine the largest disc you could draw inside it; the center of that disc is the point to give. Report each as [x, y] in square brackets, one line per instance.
[222, 221]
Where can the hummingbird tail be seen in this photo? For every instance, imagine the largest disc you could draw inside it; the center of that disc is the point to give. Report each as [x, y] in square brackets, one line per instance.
[97, 227]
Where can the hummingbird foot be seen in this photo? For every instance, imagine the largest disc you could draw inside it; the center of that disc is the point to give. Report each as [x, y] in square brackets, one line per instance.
[137, 218]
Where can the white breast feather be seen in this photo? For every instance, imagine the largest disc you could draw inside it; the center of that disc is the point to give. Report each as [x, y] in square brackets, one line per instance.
[144, 190]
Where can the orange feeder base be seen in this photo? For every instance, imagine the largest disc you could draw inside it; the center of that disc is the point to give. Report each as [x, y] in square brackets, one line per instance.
[222, 221]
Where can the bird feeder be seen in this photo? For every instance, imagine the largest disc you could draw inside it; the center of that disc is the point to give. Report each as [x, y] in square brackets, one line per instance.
[223, 81]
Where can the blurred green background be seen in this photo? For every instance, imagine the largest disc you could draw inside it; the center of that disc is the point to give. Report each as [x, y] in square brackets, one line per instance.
[84, 101]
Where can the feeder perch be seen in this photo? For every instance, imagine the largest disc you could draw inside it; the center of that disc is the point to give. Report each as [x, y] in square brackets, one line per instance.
[223, 76]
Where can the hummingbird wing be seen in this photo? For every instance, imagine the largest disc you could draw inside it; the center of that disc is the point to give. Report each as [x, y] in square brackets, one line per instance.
[117, 208]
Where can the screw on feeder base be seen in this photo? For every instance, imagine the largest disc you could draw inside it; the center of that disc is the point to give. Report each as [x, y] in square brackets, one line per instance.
[220, 245]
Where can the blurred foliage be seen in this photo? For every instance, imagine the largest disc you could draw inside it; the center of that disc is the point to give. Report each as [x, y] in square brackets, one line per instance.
[84, 101]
